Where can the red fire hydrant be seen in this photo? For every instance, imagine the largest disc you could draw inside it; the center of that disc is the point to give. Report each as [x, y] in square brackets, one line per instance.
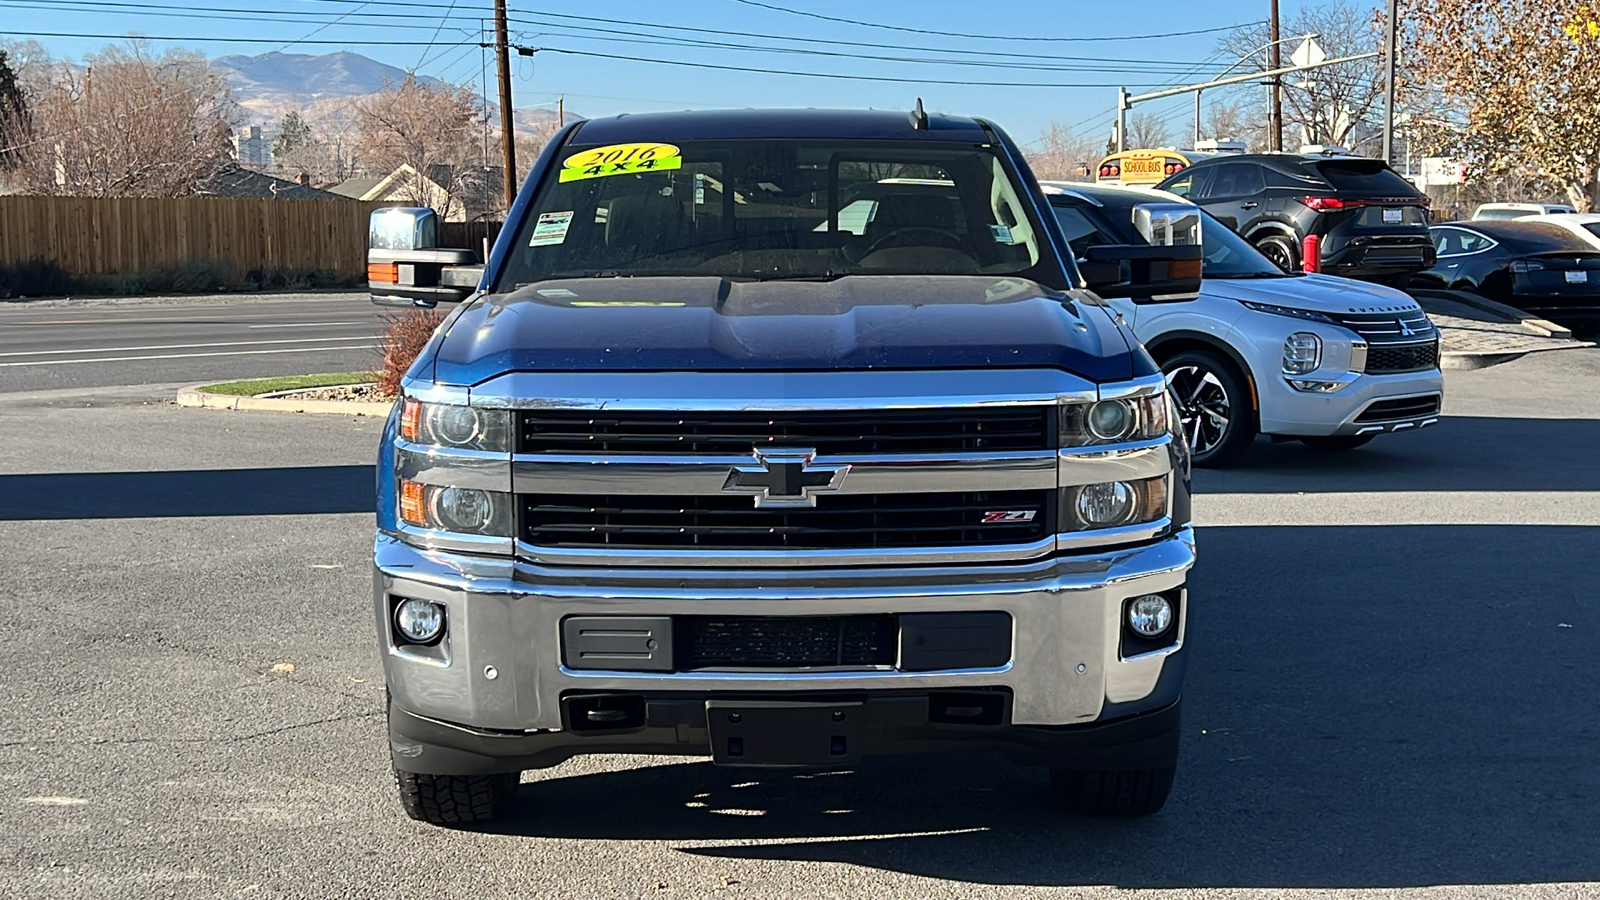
[1311, 253]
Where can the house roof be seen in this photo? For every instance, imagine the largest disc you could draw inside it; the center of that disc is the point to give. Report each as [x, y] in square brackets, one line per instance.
[357, 188]
[237, 181]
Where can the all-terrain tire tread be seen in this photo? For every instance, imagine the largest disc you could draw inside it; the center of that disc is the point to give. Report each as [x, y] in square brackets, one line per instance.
[456, 799]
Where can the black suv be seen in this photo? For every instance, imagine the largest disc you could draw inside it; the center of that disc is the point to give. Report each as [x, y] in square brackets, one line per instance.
[1373, 223]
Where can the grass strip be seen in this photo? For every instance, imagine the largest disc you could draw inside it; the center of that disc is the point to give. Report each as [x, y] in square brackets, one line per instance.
[286, 383]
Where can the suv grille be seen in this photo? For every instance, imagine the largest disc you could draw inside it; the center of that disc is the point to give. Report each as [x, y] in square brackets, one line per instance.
[729, 522]
[1391, 358]
[755, 642]
[1402, 408]
[1383, 327]
[956, 430]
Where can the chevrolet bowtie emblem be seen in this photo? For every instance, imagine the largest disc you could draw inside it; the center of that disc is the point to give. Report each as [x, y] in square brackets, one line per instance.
[785, 478]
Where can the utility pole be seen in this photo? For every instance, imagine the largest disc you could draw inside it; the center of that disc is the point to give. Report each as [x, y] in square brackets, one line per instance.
[508, 131]
[1122, 119]
[1275, 61]
[1391, 40]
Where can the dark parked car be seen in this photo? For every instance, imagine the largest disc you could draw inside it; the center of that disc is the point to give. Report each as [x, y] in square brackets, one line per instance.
[1535, 266]
[1373, 223]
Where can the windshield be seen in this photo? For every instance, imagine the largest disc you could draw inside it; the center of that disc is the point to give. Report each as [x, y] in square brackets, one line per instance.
[758, 210]
[1227, 255]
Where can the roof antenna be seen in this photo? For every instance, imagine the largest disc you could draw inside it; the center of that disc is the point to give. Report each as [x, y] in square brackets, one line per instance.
[919, 117]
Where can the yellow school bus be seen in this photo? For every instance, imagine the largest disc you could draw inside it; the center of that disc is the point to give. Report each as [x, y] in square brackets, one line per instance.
[1145, 167]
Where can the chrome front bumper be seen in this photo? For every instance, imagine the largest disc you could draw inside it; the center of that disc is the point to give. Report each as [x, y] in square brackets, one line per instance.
[500, 666]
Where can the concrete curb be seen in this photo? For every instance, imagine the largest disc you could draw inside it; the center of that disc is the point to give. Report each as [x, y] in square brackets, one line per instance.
[195, 397]
[1463, 361]
[1510, 314]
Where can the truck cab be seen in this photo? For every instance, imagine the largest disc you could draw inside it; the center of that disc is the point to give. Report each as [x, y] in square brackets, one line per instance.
[784, 438]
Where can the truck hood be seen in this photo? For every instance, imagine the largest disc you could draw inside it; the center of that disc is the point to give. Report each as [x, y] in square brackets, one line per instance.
[1317, 293]
[855, 322]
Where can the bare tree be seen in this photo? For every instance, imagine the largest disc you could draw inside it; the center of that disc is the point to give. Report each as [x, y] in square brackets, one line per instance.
[1526, 75]
[1335, 105]
[428, 135]
[1064, 155]
[127, 124]
[1147, 130]
[1226, 121]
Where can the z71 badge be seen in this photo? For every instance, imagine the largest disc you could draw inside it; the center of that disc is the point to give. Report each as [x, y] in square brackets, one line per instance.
[1000, 516]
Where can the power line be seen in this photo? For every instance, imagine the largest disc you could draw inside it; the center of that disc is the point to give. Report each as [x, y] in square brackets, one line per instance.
[764, 71]
[221, 40]
[984, 37]
[220, 13]
[426, 50]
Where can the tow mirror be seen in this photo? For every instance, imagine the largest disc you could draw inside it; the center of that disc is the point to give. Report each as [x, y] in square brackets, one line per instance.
[1142, 273]
[405, 265]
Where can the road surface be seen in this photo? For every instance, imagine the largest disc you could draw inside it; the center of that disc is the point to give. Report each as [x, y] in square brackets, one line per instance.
[80, 344]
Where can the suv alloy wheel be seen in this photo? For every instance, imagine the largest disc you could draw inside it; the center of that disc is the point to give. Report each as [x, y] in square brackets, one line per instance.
[1214, 405]
[1281, 251]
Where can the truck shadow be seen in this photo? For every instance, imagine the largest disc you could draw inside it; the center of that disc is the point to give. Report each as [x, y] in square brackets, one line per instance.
[1398, 706]
[1461, 453]
[293, 491]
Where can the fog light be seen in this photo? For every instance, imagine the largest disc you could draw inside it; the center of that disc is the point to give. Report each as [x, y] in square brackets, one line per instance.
[1110, 420]
[1150, 615]
[419, 621]
[1101, 505]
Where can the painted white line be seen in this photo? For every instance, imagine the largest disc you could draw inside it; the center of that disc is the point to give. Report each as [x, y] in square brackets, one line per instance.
[1381, 508]
[309, 325]
[55, 801]
[322, 340]
[69, 362]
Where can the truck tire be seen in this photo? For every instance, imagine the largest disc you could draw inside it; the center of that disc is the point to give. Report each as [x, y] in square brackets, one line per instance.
[1337, 441]
[1214, 401]
[1139, 792]
[457, 799]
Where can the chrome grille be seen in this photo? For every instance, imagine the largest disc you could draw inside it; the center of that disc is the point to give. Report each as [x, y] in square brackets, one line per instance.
[838, 521]
[1384, 327]
[829, 432]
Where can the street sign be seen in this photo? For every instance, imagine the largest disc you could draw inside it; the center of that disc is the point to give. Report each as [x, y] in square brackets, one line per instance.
[1308, 53]
[1438, 170]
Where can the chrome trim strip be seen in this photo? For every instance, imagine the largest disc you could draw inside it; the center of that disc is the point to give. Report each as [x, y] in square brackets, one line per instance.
[1358, 355]
[782, 391]
[1119, 462]
[783, 559]
[1126, 534]
[428, 464]
[865, 675]
[706, 475]
[1137, 387]
[430, 539]
[429, 392]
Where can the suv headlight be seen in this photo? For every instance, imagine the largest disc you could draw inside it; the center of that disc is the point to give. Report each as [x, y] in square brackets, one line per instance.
[1302, 353]
[455, 509]
[1115, 421]
[454, 425]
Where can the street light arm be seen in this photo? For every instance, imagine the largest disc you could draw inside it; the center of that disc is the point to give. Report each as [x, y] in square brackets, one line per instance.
[1248, 76]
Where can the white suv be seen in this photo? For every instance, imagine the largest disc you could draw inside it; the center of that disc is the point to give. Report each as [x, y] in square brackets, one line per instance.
[1328, 361]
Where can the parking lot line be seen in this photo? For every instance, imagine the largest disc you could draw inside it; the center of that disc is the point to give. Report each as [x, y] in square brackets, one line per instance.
[323, 340]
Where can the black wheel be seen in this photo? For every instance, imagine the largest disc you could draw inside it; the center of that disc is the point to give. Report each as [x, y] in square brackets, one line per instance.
[1337, 441]
[1214, 403]
[1139, 792]
[1281, 250]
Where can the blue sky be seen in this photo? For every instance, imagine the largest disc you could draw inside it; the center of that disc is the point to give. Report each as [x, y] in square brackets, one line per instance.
[1100, 58]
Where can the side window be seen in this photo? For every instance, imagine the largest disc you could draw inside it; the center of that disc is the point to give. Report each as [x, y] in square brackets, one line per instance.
[1080, 232]
[1182, 186]
[1236, 180]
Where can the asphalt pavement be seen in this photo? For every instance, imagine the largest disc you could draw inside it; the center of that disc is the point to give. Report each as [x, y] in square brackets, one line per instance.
[56, 344]
[1391, 692]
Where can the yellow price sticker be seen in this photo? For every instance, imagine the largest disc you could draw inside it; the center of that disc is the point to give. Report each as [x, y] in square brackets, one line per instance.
[626, 167]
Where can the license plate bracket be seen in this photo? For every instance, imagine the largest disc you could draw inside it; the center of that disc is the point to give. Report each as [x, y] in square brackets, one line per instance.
[784, 733]
[1577, 276]
[1393, 216]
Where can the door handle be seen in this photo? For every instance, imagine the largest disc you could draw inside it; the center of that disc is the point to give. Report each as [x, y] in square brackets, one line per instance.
[1250, 204]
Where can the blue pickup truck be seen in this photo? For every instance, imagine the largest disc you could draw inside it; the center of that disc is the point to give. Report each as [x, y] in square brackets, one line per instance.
[781, 438]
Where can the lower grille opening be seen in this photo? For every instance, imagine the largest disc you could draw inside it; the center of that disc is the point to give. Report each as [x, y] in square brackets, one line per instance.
[1401, 408]
[967, 708]
[784, 642]
[605, 712]
[1383, 359]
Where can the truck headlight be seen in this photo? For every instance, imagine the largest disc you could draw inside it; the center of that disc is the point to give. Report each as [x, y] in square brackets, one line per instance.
[1110, 504]
[1302, 353]
[455, 509]
[1115, 421]
[455, 425]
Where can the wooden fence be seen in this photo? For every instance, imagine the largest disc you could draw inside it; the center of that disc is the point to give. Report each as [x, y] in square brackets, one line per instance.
[89, 236]
[468, 235]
